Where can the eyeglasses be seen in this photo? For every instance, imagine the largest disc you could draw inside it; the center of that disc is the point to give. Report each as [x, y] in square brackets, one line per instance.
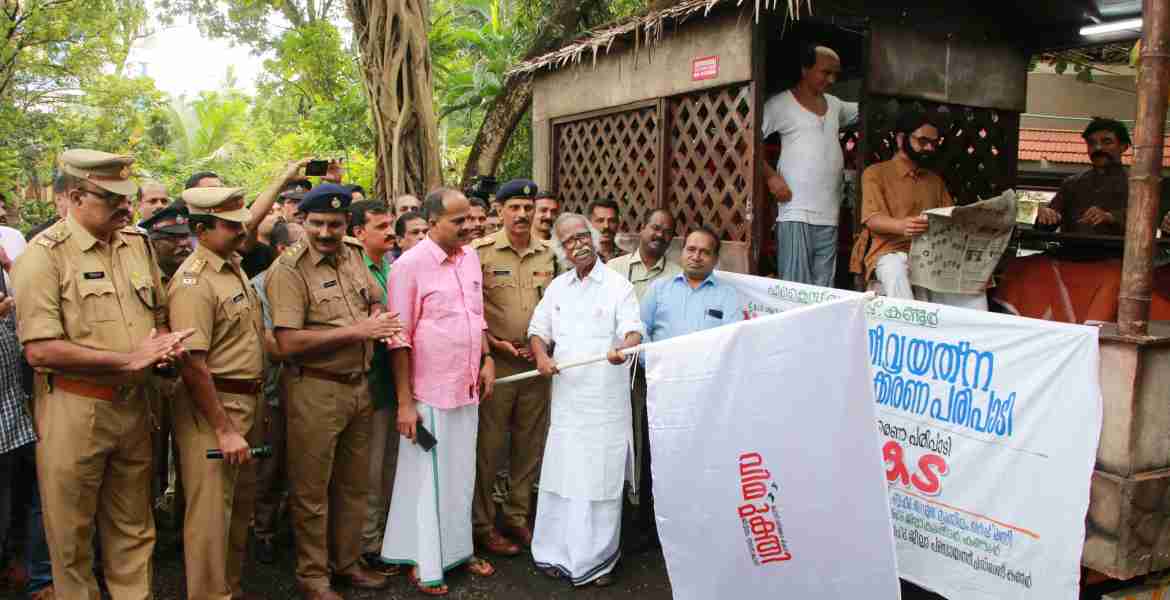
[927, 141]
[579, 238]
[110, 198]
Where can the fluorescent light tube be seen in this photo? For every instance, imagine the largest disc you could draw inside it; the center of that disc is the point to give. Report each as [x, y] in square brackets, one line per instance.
[1113, 27]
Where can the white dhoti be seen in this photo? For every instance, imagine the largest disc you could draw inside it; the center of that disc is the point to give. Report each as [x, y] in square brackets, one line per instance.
[893, 273]
[587, 459]
[429, 525]
[579, 538]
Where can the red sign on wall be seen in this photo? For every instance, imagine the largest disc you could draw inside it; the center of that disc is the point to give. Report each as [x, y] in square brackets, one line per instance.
[705, 67]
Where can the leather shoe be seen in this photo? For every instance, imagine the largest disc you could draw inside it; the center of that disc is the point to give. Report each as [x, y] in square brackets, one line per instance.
[519, 534]
[362, 578]
[265, 552]
[499, 545]
[375, 563]
[326, 594]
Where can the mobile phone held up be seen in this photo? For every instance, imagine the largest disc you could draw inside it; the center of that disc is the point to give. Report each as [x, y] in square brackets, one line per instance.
[316, 168]
[424, 438]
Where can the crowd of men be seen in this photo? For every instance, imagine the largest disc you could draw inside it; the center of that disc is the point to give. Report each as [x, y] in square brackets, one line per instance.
[335, 356]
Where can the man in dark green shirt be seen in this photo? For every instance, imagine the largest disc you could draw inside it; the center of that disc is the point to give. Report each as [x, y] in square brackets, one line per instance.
[373, 226]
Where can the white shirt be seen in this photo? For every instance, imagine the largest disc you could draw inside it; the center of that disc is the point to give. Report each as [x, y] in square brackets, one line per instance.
[14, 245]
[810, 156]
[587, 453]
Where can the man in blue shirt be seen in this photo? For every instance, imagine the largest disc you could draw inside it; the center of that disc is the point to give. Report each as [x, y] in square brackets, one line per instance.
[690, 301]
[695, 299]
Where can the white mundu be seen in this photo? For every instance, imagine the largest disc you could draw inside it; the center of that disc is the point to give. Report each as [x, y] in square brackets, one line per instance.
[588, 452]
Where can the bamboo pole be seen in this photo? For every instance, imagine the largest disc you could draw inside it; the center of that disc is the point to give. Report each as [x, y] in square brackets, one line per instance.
[1145, 178]
[868, 296]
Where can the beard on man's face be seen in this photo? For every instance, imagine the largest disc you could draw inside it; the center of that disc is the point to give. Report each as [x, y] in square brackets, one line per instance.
[925, 158]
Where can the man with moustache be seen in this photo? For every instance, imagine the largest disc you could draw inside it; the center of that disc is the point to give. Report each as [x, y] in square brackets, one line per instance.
[170, 234]
[517, 268]
[152, 197]
[327, 314]
[643, 267]
[547, 210]
[606, 219]
[410, 228]
[477, 215]
[220, 407]
[442, 370]
[1094, 200]
[586, 311]
[373, 226]
[894, 195]
[92, 315]
[404, 204]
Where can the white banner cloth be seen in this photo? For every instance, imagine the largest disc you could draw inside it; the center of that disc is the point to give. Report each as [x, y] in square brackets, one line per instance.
[988, 426]
[767, 476]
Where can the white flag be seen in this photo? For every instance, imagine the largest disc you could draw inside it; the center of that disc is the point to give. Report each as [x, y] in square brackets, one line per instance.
[768, 480]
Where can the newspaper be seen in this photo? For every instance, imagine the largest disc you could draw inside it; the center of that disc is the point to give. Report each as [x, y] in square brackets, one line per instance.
[959, 251]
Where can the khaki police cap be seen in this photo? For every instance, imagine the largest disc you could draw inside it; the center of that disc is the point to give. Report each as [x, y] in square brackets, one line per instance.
[221, 202]
[110, 172]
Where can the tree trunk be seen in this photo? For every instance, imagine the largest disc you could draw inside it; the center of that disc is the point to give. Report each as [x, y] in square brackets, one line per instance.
[516, 97]
[396, 64]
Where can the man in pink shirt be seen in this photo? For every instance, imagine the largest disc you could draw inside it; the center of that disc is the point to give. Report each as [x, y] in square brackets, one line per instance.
[441, 369]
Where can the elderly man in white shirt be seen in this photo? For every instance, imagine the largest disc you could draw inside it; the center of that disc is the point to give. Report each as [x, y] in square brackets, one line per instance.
[587, 311]
[807, 180]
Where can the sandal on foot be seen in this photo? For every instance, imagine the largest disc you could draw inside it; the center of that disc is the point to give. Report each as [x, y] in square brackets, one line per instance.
[480, 567]
[438, 590]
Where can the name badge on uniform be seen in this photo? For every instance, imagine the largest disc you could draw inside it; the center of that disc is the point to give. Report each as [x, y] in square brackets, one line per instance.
[714, 312]
[501, 272]
[329, 284]
[95, 275]
[238, 298]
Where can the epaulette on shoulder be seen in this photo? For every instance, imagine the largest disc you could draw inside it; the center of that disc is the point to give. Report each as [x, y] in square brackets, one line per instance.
[486, 240]
[53, 236]
[293, 253]
[196, 266]
[352, 241]
[134, 230]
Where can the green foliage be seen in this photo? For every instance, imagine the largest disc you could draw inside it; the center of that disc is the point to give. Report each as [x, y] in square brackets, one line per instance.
[67, 87]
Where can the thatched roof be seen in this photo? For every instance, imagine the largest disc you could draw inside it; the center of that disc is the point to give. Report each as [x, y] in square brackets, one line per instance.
[646, 29]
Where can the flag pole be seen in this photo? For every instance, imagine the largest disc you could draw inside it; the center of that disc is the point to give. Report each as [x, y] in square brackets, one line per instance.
[627, 351]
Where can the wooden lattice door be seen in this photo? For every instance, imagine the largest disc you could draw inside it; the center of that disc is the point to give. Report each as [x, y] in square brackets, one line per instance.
[615, 155]
[710, 174]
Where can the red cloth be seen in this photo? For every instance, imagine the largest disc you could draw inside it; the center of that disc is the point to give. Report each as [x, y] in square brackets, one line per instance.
[1042, 287]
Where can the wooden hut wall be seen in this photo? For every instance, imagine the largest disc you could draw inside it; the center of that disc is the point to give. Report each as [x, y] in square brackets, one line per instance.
[640, 127]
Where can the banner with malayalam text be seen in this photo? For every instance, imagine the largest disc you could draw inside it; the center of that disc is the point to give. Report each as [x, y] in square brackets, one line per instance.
[988, 427]
[767, 476]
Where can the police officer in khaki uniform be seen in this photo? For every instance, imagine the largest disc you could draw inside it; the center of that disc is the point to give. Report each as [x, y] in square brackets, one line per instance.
[517, 267]
[92, 315]
[171, 239]
[211, 295]
[327, 314]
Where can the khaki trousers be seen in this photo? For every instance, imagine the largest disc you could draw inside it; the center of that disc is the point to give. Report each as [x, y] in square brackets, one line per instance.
[519, 412]
[94, 462]
[328, 470]
[272, 474]
[384, 438]
[219, 498]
